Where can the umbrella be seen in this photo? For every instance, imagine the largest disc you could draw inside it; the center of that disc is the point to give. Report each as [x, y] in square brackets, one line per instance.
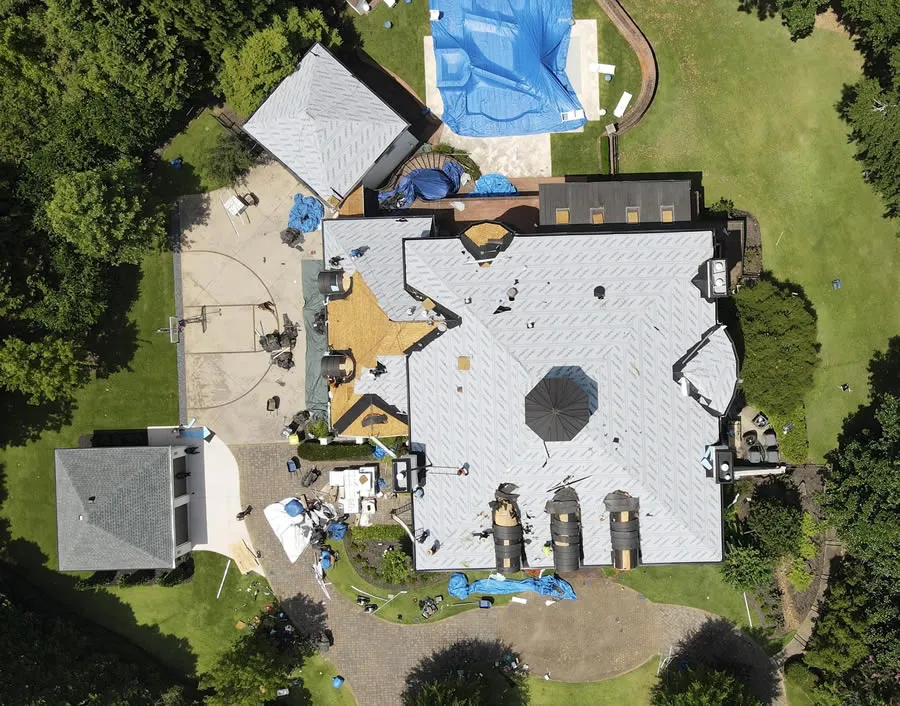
[556, 409]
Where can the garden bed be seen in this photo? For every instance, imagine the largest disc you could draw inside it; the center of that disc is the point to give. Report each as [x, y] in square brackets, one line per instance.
[365, 548]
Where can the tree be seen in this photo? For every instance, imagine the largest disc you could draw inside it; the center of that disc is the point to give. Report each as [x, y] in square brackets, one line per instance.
[799, 16]
[700, 686]
[250, 73]
[49, 659]
[863, 498]
[776, 526]
[779, 332]
[248, 674]
[103, 212]
[746, 568]
[226, 161]
[46, 370]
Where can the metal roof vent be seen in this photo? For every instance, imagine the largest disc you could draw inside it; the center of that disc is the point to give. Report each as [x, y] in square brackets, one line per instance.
[600, 292]
[717, 278]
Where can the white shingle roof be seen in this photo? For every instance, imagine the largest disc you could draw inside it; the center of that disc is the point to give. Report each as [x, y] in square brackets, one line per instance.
[382, 262]
[644, 435]
[325, 125]
[389, 386]
[711, 368]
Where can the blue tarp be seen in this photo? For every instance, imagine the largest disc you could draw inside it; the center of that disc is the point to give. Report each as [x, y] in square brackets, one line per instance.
[337, 530]
[552, 586]
[501, 66]
[306, 214]
[427, 184]
[489, 184]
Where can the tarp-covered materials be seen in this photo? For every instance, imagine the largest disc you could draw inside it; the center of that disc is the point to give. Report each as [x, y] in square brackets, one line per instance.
[426, 184]
[501, 66]
[493, 184]
[306, 214]
[551, 586]
[293, 532]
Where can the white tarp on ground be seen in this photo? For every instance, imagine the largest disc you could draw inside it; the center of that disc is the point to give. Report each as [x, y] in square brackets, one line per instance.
[293, 532]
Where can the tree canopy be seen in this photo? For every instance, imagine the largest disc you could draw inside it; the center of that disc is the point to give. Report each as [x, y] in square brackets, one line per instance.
[781, 352]
[103, 212]
[700, 685]
[45, 370]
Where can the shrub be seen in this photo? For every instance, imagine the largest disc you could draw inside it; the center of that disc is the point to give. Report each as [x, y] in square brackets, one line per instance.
[810, 528]
[334, 452]
[228, 160]
[461, 156]
[746, 568]
[776, 527]
[385, 532]
[799, 575]
[794, 446]
[318, 428]
[781, 352]
[395, 566]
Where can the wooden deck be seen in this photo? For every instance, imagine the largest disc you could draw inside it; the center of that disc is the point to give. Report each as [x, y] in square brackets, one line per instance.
[356, 323]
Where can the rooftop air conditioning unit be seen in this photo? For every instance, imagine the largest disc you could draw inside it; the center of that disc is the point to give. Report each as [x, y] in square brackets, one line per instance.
[716, 279]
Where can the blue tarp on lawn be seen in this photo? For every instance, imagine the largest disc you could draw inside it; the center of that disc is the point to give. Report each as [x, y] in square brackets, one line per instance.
[552, 586]
[501, 66]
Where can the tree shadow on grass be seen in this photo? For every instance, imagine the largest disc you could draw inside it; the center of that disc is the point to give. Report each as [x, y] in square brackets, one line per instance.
[308, 616]
[763, 9]
[113, 339]
[106, 616]
[470, 664]
[22, 422]
[718, 644]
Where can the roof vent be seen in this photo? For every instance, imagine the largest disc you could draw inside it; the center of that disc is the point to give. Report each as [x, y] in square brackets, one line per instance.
[717, 278]
[600, 292]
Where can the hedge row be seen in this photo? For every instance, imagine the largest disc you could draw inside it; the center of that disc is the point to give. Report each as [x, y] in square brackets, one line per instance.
[334, 452]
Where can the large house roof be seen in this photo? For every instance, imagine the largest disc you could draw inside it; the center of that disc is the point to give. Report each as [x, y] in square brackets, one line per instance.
[114, 508]
[325, 125]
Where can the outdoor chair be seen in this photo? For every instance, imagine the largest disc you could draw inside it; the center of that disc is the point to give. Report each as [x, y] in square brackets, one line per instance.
[769, 438]
[293, 465]
[750, 438]
[772, 455]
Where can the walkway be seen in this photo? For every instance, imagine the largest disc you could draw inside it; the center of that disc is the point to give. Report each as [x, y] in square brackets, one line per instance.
[610, 629]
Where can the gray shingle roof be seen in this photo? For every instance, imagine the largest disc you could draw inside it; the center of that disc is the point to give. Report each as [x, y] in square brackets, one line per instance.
[129, 525]
[644, 436]
[325, 125]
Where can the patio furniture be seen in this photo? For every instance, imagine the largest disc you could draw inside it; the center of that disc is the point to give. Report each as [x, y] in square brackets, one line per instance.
[293, 465]
[750, 438]
[273, 403]
[754, 455]
[772, 455]
[769, 437]
[311, 476]
[761, 420]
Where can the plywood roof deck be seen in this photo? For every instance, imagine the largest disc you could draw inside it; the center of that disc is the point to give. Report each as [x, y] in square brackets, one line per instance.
[485, 233]
[356, 323]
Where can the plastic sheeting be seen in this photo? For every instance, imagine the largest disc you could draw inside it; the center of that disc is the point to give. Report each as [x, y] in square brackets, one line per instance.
[427, 184]
[293, 532]
[551, 586]
[501, 66]
[306, 214]
[316, 345]
[493, 184]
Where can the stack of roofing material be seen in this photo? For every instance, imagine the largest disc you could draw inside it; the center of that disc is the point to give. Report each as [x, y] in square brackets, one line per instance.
[624, 529]
[565, 529]
[507, 530]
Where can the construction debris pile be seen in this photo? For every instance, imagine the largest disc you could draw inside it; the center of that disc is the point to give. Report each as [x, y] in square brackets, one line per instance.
[279, 344]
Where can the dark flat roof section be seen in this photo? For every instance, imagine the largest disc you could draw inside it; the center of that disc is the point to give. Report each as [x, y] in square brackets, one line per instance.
[600, 202]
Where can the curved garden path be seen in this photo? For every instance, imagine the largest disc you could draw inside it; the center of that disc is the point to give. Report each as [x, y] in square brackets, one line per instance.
[649, 72]
[609, 630]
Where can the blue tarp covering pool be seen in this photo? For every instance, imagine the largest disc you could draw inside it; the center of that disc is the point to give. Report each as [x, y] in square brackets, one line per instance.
[501, 66]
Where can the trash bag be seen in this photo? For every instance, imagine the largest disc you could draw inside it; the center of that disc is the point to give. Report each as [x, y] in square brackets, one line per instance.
[337, 530]
[293, 508]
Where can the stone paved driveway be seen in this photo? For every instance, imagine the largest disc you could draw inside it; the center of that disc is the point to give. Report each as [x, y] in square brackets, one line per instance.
[609, 630]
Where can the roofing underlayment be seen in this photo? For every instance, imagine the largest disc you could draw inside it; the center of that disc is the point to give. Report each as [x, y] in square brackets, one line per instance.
[325, 125]
[533, 313]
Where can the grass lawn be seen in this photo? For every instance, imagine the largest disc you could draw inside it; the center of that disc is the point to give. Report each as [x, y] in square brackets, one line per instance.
[402, 609]
[576, 153]
[696, 585]
[199, 137]
[632, 688]
[755, 113]
[317, 674]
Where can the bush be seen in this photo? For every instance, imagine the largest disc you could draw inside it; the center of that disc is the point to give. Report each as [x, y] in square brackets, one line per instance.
[318, 428]
[810, 529]
[226, 162]
[781, 352]
[395, 566]
[461, 156]
[794, 446]
[776, 527]
[385, 532]
[800, 576]
[746, 568]
[334, 452]
[180, 574]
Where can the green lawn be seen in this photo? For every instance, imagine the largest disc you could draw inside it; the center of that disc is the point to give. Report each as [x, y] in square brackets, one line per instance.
[317, 674]
[755, 113]
[402, 609]
[199, 137]
[696, 585]
[632, 689]
[576, 153]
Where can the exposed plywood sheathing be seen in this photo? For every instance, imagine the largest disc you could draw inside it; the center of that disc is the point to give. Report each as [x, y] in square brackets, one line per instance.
[358, 324]
[485, 233]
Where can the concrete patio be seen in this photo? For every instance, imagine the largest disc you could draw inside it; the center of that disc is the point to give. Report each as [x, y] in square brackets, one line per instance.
[231, 265]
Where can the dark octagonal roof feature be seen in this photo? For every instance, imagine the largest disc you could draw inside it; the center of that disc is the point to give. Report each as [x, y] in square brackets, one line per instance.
[557, 409]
